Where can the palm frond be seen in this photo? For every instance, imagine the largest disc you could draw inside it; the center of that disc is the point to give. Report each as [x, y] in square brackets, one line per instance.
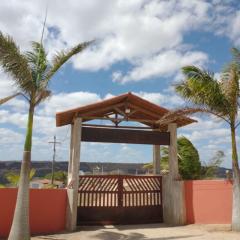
[230, 85]
[32, 173]
[41, 96]
[14, 63]
[6, 99]
[178, 113]
[37, 59]
[200, 88]
[12, 178]
[62, 57]
[236, 54]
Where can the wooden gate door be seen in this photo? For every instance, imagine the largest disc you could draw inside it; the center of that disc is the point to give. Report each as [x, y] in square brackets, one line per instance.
[119, 199]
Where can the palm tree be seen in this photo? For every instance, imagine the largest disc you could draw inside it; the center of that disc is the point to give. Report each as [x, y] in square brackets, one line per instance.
[220, 98]
[31, 72]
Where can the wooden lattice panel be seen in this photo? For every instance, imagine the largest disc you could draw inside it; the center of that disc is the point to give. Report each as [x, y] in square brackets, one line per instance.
[141, 191]
[98, 191]
[119, 191]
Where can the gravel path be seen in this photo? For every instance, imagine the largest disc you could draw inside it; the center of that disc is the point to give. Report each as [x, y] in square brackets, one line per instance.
[148, 232]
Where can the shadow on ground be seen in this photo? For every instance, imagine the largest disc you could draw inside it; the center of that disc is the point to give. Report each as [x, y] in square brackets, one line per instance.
[127, 227]
[121, 232]
[107, 235]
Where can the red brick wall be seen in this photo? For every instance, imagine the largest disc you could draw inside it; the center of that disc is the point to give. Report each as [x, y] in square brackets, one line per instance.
[208, 201]
[47, 210]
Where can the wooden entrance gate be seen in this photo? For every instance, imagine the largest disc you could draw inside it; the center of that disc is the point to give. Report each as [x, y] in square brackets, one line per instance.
[119, 199]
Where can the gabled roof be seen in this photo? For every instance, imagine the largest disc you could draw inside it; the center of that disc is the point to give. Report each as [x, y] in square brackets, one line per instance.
[128, 105]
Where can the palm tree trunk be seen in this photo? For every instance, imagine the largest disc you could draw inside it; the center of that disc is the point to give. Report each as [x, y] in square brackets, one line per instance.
[236, 184]
[20, 226]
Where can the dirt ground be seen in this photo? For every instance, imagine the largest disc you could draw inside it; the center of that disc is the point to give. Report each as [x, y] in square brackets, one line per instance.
[148, 232]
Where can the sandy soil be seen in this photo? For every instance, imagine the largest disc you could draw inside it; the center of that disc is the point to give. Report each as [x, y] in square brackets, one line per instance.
[148, 232]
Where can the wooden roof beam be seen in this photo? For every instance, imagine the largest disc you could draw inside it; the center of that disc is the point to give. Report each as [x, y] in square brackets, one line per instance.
[147, 112]
[101, 110]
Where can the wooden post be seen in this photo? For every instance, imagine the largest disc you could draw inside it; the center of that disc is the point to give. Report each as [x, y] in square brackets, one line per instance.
[173, 159]
[156, 159]
[70, 157]
[73, 178]
[174, 211]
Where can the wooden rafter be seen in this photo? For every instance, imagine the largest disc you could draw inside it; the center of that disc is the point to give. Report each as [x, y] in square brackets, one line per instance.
[119, 111]
[101, 110]
[147, 112]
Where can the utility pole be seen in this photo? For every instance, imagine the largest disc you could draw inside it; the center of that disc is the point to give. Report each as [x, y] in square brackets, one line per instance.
[54, 156]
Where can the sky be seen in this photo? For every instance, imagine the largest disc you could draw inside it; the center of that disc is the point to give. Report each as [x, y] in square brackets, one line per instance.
[140, 46]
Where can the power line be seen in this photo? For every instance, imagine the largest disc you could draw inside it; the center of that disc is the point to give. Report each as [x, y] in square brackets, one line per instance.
[54, 156]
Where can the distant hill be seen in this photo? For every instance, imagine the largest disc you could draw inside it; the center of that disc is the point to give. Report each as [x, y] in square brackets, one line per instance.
[44, 167]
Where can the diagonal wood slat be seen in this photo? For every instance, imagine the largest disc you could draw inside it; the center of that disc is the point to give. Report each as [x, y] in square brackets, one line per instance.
[119, 191]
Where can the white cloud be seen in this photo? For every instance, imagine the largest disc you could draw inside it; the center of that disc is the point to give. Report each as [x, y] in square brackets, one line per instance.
[164, 64]
[234, 29]
[165, 100]
[204, 122]
[63, 101]
[133, 31]
[143, 33]
[210, 134]
[7, 136]
[6, 85]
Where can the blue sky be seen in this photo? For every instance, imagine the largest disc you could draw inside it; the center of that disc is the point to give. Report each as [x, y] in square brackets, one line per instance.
[140, 47]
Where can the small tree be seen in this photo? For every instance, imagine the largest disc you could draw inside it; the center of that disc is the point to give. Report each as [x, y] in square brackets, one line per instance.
[188, 158]
[189, 162]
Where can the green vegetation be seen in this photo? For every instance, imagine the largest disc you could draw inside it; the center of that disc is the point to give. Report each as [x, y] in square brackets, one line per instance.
[14, 177]
[189, 162]
[59, 176]
[31, 72]
[188, 158]
[219, 97]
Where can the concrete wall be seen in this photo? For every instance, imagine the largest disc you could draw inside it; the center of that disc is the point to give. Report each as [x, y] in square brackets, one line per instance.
[47, 210]
[174, 212]
[208, 201]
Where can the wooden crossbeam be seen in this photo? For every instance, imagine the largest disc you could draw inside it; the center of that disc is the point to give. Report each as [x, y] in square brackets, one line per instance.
[125, 136]
[113, 126]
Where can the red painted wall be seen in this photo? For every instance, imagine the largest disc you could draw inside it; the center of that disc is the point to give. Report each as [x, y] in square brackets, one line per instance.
[47, 210]
[208, 201]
